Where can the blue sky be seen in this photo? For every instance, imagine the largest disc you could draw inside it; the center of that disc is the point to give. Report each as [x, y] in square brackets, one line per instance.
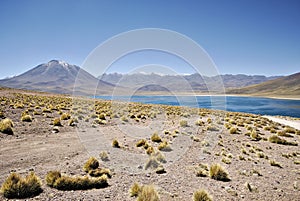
[241, 36]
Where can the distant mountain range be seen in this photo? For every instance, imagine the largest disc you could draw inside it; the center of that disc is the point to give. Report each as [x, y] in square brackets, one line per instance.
[61, 77]
[186, 83]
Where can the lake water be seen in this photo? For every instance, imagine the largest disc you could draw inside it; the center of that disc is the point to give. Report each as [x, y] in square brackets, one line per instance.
[255, 105]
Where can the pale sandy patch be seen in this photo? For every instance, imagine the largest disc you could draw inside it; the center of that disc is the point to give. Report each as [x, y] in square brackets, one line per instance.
[292, 123]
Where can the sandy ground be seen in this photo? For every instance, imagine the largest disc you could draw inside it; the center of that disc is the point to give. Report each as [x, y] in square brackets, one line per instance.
[34, 146]
[285, 121]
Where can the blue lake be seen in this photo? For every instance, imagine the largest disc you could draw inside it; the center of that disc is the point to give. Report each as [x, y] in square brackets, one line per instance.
[255, 105]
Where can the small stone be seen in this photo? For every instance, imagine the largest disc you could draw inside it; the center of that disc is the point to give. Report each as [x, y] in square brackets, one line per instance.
[55, 129]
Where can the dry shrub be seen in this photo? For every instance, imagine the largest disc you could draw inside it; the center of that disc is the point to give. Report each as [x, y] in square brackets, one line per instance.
[141, 142]
[26, 118]
[233, 130]
[65, 116]
[155, 137]
[99, 172]
[148, 193]
[62, 182]
[217, 172]
[183, 123]
[115, 144]
[17, 187]
[276, 139]
[135, 190]
[150, 150]
[275, 163]
[202, 195]
[6, 126]
[56, 122]
[104, 156]
[91, 164]
[164, 146]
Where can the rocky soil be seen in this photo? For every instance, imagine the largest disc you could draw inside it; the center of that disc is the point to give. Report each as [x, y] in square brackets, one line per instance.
[239, 142]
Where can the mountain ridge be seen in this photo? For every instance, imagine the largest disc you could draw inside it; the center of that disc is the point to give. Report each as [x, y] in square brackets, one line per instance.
[60, 77]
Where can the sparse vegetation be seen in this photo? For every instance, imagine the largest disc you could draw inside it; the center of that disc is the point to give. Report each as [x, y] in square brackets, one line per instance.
[104, 156]
[183, 123]
[148, 193]
[65, 116]
[17, 187]
[202, 195]
[276, 139]
[56, 122]
[134, 190]
[115, 144]
[217, 172]
[141, 142]
[62, 182]
[6, 126]
[233, 130]
[155, 137]
[275, 163]
[164, 146]
[91, 164]
[26, 118]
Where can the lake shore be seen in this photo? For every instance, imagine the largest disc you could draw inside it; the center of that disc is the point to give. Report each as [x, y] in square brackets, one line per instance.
[284, 97]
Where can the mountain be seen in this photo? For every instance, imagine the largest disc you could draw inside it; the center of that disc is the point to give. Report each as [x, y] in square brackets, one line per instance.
[58, 77]
[284, 86]
[183, 83]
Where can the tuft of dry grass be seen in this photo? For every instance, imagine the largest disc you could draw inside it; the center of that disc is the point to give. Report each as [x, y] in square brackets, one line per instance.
[155, 137]
[62, 182]
[115, 144]
[202, 195]
[26, 118]
[91, 164]
[134, 190]
[6, 126]
[56, 122]
[278, 140]
[148, 193]
[255, 136]
[164, 146]
[17, 187]
[150, 150]
[217, 172]
[233, 130]
[65, 116]
[141, 142]
[275, 163]
[104, 156]
[183, 123]
[99, 172]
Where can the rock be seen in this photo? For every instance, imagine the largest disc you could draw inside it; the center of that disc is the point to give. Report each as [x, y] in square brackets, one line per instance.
[55, 129]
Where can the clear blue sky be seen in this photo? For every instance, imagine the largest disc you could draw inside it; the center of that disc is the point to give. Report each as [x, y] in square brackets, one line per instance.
[241, 36]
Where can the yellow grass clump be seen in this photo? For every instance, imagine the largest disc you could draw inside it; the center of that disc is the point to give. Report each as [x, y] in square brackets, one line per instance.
[148, 193]
[202, 195]
[17, 187]
[91, 164]
[6, 126]
[26, 118]
[135, 190]
[217, 172]
[62, 182]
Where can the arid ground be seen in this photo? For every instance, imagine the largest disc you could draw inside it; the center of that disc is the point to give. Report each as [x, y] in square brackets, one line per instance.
[261, 157]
